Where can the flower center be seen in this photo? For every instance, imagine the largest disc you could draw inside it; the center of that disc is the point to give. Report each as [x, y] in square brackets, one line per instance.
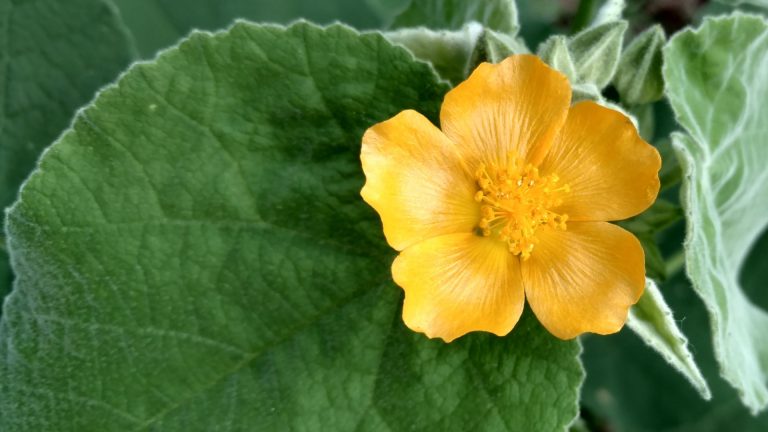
[515, 201]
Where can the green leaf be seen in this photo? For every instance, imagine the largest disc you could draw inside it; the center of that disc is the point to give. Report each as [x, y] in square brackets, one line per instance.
[588, 91]
[55, 56]
[596, 51]
[498, 46]
[760, 3]
[651, 319]
[449, 51]
[194, 255]
[157, 24]
[498, 15]
[589, 59]
[718, 94]
[638, 77]
[646, 120]
[554, 51]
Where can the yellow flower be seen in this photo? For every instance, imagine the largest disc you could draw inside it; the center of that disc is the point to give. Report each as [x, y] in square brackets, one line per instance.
[510, 201]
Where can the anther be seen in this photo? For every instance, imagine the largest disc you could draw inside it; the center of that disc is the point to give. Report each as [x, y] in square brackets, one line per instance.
[515, 201]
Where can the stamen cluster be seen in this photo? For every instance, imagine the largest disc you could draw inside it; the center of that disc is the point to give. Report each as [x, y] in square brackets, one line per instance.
[515, 201]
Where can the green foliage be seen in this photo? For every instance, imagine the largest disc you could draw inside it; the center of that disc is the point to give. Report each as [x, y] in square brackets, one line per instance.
[497, 15]
[718, 94]
[651, 319]
[55, 56]
[589, 59]
[661, 215]
[760, 3]
[157, 24]
[448, 51]
[556, 54]
[455, 36]
[596, 51]
[638, 78]
[496, 46]
[193, 254]
[632, 389]
[5, 270]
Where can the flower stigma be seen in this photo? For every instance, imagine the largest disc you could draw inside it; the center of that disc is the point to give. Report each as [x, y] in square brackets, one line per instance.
[515, 201]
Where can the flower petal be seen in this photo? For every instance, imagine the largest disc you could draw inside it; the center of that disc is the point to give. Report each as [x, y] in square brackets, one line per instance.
[515, 107]
[612, 172]
[415, 181]
[458, 283]
[584, 279]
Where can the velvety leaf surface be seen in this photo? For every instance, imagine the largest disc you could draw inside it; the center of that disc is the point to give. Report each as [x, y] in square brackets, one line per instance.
[652, 320]
[449, 51]
[496, 46]
[55, 56]
[194, 255]
[718, 94]
[638, 77]
[596, 52]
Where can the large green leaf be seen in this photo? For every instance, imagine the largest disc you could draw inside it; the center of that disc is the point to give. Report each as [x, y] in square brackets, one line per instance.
[717, 86]
[498, 15]
[55, 56]
[157, 24]
[194, 255]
